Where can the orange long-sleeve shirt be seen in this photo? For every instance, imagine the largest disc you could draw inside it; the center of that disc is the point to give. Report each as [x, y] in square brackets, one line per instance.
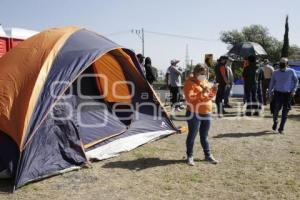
[198, 95]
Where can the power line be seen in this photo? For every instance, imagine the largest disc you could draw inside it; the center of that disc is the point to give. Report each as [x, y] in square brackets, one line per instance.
[165, 34]
[118, 33]
[141, 35]
[181, 36]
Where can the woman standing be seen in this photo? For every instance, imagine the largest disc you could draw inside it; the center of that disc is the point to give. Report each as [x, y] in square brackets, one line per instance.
[150, 76]
[199, 97]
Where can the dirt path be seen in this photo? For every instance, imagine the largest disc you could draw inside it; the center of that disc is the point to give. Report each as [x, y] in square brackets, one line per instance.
[255, 164]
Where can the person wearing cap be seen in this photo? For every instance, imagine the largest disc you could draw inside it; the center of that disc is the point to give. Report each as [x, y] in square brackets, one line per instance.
[267, 71]
[141, 62]
[199, 95]
[229, 86]
[174, 80]
[283, 86]
[222, 80]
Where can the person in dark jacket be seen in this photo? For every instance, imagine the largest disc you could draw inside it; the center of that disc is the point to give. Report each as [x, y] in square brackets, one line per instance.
[250, 86]
[260, 79]
[222, 80]
[150, 75]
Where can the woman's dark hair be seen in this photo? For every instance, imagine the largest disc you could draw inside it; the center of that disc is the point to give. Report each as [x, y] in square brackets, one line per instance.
[199, 68]
[148, 60]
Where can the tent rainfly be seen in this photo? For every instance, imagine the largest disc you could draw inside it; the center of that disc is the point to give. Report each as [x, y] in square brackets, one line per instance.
[67, 96]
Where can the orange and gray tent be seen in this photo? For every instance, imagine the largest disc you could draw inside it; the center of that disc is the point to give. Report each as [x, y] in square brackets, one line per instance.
[69, 95]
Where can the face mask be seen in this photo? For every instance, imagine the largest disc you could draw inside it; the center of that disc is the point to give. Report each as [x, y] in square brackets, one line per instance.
[201, 77]
[282, 66]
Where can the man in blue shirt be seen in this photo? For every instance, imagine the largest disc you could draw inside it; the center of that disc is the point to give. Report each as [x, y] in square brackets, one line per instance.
[283, 87]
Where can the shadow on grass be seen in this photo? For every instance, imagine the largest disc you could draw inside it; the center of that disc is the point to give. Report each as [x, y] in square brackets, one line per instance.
[6, 185]
[290, 117]
[240, 135]
[232, 114]
[141, 164]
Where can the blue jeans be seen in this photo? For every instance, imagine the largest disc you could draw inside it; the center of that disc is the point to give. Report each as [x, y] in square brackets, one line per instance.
[198, 123]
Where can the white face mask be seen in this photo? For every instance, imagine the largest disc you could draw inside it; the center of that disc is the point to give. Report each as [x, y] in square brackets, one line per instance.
[201, 77]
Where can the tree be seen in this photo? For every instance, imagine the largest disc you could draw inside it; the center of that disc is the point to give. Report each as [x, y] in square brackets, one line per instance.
[232, 37]
[260, 35]
[274, 51]
[257, 33]
[294, 52]
[285, 47]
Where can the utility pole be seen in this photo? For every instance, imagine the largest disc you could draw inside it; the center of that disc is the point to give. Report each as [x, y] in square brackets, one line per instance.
[140, 34]
[143, 42]
[187, 57]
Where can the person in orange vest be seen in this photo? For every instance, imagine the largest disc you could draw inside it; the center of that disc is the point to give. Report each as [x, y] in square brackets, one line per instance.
[222, 80]
[199, 95]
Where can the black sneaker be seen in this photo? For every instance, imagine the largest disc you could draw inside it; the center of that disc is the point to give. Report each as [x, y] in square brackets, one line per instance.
[227, 106]
[257, 114]
[280, 131]
[224, 112]
[248, 114]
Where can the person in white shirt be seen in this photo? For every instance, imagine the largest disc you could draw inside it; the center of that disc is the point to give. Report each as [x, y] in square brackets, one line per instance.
[174, 82]
[268, 71]
[229, 86]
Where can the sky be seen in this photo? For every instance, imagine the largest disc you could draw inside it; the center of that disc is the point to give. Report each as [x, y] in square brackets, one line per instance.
[115, 19]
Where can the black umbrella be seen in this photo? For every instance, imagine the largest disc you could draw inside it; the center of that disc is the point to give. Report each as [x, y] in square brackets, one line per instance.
[245, 49]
